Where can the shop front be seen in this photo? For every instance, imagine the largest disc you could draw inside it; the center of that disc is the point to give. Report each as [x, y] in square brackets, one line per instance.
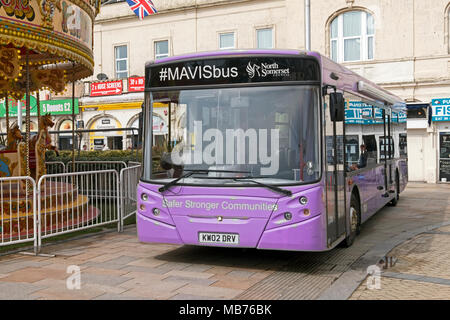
[108, 112]
[364, 125]
[441, 119]
[106, 139]
[65, 140]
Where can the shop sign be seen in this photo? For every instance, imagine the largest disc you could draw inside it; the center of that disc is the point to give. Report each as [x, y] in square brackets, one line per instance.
[444, 156]
[441, 109]
[90, 108]
[58, 107]
[444, 170]
[54, 107]
[107, 88]
[357, 112]
[105, 123]
[136, 84]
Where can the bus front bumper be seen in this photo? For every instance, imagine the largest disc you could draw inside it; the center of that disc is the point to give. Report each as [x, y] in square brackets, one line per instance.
[308, 235]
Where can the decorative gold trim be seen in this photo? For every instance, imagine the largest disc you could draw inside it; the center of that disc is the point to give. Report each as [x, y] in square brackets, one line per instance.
[40, 37]
[53, 47]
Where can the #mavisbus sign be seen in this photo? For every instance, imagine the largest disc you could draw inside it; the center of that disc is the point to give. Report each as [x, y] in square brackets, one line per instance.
[441, 109]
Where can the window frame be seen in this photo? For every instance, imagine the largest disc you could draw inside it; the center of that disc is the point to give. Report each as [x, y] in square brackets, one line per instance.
[155, 55]
[257, 29]
[234, 33]
[363, 37]
[121, 59]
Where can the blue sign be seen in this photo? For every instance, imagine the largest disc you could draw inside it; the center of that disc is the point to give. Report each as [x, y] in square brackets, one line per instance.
[357, 112]
[399, 117]
[441, 109]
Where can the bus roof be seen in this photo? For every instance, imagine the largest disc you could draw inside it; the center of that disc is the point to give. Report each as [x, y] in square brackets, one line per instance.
[333, 74]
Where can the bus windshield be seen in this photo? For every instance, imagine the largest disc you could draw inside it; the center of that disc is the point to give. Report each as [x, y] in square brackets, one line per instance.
[267, 133]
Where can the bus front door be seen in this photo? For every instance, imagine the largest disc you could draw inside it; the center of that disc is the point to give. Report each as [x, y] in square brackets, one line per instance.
[335, 183]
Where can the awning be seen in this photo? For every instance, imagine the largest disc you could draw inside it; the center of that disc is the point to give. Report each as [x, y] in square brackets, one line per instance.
[414, 106]
[127, 97]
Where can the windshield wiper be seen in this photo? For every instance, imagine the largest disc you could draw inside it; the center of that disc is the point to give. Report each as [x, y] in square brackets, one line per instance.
[268, 186]
[190, 173]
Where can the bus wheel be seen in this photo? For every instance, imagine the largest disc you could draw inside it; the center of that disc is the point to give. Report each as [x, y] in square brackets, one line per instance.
[394, 201]
[354, 221]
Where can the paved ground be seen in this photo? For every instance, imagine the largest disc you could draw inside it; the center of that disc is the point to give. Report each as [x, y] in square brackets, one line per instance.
[421, 270]
[117, 266]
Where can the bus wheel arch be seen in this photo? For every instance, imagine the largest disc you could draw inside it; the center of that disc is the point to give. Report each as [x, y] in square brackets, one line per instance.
[354, 216]
[355, 192]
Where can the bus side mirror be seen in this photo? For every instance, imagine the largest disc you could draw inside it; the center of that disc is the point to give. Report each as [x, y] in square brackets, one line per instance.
[337, 106]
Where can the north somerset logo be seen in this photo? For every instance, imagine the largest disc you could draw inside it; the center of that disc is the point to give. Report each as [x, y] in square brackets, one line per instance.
[252, 70]
[265, 69]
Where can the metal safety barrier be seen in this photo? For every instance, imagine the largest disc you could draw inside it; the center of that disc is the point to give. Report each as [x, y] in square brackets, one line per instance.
[65, 202]
[133, 163]
[75, 201]
[18, 210]
[83, 166]
[129, 179]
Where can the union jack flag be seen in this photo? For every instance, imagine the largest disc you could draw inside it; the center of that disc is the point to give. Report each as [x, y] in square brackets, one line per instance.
[142, 8]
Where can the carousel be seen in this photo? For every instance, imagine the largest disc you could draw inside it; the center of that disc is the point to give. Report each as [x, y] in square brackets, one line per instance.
[45, 45]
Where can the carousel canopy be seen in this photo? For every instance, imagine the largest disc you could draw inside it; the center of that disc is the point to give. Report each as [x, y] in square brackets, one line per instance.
[55, 36]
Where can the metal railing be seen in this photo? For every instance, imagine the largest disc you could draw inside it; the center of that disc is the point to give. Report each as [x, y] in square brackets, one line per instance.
[129, 179]
[17, 210]
[83, 166]
[75, 201]
[133, 163]
[62, 202]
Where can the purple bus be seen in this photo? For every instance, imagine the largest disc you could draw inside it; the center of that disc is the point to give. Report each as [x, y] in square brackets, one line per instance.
[267, 149]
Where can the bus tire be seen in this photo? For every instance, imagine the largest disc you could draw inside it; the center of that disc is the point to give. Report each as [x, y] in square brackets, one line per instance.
[394, 201]
[355, 220]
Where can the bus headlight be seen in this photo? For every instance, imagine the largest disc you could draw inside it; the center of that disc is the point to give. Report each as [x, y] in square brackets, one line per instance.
[144, 197]
[155, 211]
[142, 207]
[303, 200]
[287, 215]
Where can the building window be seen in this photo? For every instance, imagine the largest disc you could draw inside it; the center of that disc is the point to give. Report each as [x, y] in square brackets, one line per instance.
[121, 58]
[227, 41]
[352, 37]
[161, 49]
[264, 38]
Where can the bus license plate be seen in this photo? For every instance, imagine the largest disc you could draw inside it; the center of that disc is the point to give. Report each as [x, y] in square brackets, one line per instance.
[214, 237]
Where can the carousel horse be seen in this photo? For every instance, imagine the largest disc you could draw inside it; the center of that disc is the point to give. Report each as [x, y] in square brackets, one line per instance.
[14, 136]
[43, 136]
[37, 147]
[9, 155]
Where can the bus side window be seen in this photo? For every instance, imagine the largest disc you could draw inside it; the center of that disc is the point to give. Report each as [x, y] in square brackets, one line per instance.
[371, 146]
